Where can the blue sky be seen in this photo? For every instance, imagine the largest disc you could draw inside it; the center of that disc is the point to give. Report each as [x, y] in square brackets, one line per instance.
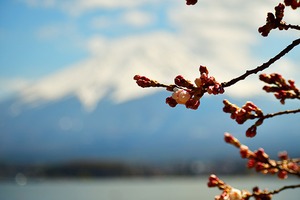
[91, 49]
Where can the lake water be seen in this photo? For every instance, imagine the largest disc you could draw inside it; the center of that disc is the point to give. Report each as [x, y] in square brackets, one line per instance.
[135, 188]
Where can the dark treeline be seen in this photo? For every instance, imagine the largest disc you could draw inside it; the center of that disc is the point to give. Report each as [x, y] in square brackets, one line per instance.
[98, 169]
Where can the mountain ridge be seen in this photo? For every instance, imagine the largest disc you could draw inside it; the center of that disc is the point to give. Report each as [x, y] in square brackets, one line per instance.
[142, 130]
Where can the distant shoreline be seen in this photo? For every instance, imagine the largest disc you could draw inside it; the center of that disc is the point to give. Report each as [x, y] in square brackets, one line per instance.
[103, 169]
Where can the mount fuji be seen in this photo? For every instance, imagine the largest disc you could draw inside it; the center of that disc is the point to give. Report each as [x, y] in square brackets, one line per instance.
[142, 130]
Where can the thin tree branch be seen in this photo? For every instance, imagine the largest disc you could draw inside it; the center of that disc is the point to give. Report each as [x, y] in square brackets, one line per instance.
[296, 27]
[284, 188]
[281, 113]
[264, 65]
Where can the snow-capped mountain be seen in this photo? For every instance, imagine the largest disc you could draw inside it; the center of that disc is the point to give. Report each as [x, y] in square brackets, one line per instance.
[143, 130]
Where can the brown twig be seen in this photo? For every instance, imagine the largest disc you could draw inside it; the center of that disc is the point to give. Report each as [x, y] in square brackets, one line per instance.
[264, 65]
[284, 188]
[291, 26]
[281, 113]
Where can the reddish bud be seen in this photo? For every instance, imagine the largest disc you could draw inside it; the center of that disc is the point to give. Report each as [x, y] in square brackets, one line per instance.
[251, 132]
[228, 138]
[143, 81]
[282, 174]
[293, 166]
[283, 155]
[191, 2]
[172, 102]
[203, 69]
[213, 181]
[232, 140]
[244, 151]
[261, 155]
[192, 104]
[259, 166]
[181, 81]
[251, 163]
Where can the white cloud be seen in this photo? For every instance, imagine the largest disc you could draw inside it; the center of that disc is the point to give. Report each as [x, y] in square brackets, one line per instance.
[78, 7]
[138, 18]
[131, 18]
[216, 34]
[8, 86]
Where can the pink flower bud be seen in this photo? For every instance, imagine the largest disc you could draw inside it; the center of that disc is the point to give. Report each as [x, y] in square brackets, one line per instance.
[282, 174]
[181, 96]
[244, 151]
[251, 132]
[283, 155]
[293, 166]
[235, 194]
[203, 69]
[213, 181]
[192, 103]
[259, 166]
[261, 155]
[172, 102]
[251, 163]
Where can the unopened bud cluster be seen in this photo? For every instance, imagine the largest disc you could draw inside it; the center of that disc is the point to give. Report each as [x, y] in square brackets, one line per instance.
[259, 194]
[274, 21]
[281, 88]
[240, 115]
[247, 111]
[231, 193]
[144, 82]
[228, 192]
[260, 161]
[185, 92]
[189, 94]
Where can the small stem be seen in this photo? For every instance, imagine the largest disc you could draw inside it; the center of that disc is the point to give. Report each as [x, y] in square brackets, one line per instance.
[284, 188]
[296, 27]
[264, 65]
[281, 113]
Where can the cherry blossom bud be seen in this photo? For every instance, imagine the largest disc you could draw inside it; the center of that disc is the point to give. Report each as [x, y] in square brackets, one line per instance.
[213, 181]
[172, 102]
[191, 2]
[143, 81]
[203, 69]
[235, 194]
[251, 163]
[192, 103]
[181, 96]
[282, 174]
[283, 155]
[244, 151]
[251, 132]
[231, 140]
[293, 166]
[261, 155]
[259, 166]
[181, 81]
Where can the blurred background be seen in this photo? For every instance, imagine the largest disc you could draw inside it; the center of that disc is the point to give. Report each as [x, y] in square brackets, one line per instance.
[69, 107]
